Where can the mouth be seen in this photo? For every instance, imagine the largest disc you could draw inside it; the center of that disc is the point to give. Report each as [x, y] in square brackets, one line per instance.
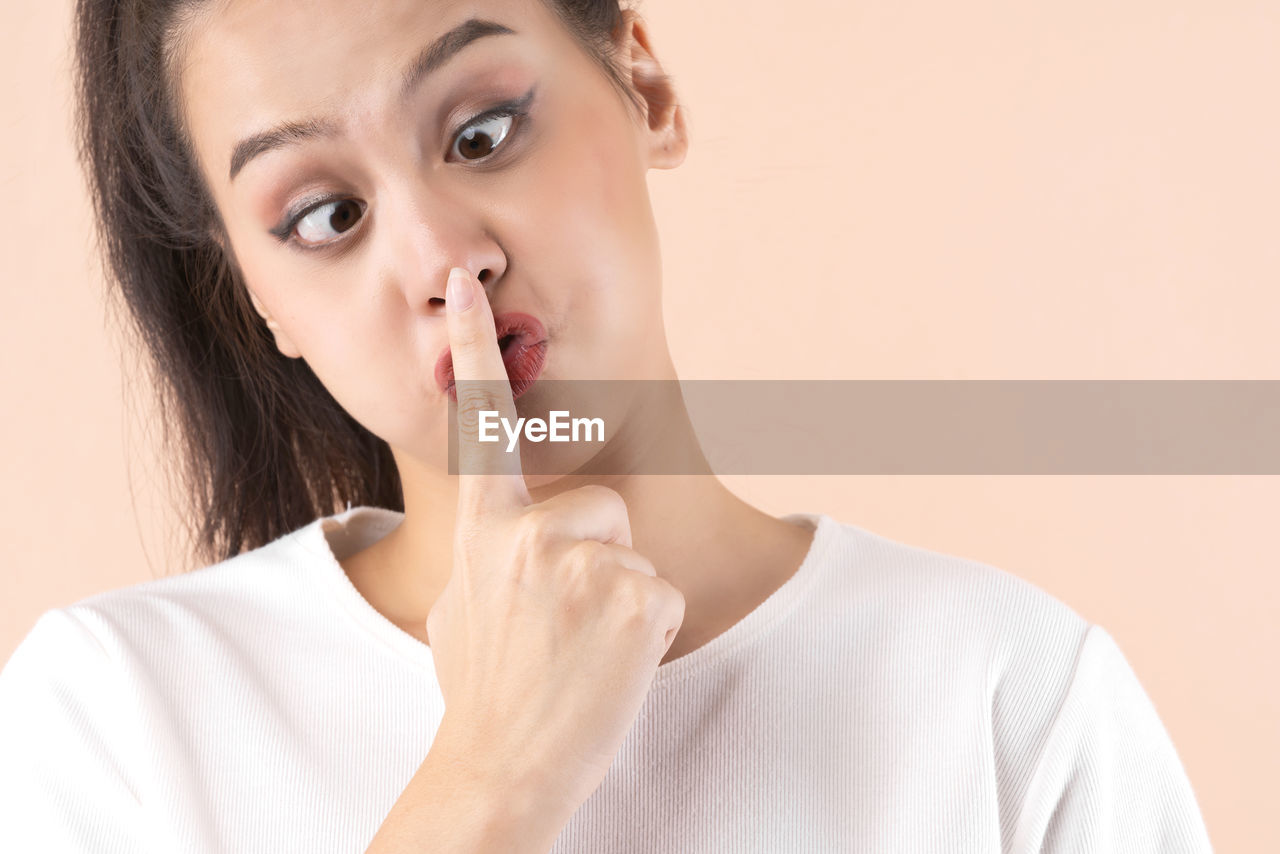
[523, 342]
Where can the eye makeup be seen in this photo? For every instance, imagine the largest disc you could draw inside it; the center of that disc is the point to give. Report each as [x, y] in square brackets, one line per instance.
[517, 108]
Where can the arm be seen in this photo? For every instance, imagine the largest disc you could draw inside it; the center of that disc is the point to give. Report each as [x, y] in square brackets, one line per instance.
[454, 807]
[1109, 778]
[65, 731]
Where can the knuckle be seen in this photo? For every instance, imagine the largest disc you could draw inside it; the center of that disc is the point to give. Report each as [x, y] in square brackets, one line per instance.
[472, 504]
[646, 566]
[438, 611]
[468, 533]
[666, 602]
[675, 604]
[638, 601]
[534, 532]
[588, 556]
[604, 494]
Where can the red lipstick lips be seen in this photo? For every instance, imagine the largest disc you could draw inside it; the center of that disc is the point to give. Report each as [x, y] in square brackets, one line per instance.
[523, 340]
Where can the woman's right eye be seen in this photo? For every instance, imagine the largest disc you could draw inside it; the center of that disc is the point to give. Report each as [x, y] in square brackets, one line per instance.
[339, 214]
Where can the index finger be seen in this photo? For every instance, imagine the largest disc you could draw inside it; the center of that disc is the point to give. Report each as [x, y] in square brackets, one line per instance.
[489, 475]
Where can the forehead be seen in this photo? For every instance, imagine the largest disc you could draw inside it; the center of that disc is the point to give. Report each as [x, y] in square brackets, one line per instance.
[250, 64]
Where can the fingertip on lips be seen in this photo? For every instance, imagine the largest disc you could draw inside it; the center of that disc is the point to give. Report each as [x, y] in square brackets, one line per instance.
[523, 344]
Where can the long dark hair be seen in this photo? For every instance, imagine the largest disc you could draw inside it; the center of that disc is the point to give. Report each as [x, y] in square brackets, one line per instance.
[257, 443]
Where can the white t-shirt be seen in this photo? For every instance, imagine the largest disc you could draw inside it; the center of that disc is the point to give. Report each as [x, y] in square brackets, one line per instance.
[884, 698]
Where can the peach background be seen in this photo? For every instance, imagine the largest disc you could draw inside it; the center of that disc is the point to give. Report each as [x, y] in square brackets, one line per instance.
[881, 190]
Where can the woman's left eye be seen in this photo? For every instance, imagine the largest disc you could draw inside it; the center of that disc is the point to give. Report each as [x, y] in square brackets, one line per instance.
[480, 138]
[489, 130]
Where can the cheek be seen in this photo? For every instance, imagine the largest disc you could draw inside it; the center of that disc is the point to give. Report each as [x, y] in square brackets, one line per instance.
[595, 218]
[620, 258]
[365, 368]
[358, 355]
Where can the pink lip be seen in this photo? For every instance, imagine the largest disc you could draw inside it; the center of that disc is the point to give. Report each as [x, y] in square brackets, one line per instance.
[523, 356]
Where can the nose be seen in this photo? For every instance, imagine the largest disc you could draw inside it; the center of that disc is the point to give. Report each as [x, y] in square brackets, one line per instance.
[433, 235]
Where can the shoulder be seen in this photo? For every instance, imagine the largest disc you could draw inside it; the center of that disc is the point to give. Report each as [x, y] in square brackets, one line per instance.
[1076, 745]
[960, 603]
[985, 641]
[984, 631]
[134, 624]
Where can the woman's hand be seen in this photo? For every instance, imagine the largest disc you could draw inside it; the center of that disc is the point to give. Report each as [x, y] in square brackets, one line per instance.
[551, 627]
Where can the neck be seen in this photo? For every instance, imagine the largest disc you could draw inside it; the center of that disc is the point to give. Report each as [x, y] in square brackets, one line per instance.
[716, 549]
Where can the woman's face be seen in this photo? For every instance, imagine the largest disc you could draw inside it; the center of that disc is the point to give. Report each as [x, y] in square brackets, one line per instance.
[550, 208]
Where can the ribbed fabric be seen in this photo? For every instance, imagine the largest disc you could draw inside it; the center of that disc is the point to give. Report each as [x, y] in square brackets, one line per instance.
[885, 698]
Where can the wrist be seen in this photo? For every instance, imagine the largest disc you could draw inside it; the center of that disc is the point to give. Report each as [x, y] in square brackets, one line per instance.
[513, 808]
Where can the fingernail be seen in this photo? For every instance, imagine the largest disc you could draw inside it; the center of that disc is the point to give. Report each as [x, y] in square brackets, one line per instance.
[458, 294]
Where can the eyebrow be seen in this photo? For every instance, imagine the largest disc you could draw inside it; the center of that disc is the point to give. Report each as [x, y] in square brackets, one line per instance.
[430, 59]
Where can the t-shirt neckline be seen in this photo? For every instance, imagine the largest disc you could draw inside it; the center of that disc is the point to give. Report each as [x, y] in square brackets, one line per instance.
[329, 539]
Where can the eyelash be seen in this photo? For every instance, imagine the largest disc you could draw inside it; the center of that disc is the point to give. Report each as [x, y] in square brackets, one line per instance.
[517, 109]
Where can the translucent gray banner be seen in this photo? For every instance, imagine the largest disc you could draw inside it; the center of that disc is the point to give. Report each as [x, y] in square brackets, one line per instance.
[876, 427]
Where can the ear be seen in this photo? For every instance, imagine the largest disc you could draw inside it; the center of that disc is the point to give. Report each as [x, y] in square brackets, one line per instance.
[283, 343]
[666, 133]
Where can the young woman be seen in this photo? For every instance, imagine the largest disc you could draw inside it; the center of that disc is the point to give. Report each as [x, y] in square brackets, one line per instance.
[484, 660]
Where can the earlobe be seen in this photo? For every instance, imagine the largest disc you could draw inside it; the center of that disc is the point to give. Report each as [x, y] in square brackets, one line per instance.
[670, 149]
[666, 129]
[259, 307]
[283, 342]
